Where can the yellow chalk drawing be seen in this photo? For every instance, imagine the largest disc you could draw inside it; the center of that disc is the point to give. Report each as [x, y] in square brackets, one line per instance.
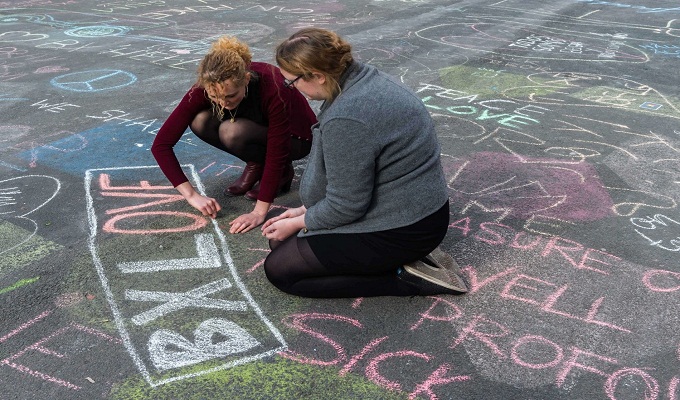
[32, 250]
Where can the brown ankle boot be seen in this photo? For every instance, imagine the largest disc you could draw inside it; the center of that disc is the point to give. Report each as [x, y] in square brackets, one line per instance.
[252, 173]
[284, 184]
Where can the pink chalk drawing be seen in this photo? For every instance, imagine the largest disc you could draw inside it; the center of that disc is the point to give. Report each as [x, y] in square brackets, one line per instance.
[259, 263]
[41, 347]
[146, 191]
[497, 182]
[19, 198]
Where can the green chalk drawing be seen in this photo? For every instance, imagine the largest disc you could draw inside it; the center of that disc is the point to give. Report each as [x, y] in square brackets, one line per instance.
[19, 284]
[487, 84]
[271, 379]
[32, 250]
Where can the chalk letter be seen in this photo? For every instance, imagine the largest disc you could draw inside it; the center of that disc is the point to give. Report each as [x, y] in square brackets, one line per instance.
[484, 337]
[536, 339]
[208, 257]
[569, 364]
[297, 321]
[450, 315]
[374, 375]
[651, 391]
[437, 378]
[177, 301]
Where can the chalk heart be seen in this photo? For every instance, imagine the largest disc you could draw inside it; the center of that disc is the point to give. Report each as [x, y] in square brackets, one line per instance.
[169, 350]
[23, 195]
[19, 197]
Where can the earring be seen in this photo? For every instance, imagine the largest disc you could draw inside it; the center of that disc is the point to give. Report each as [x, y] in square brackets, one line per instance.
[246, 95]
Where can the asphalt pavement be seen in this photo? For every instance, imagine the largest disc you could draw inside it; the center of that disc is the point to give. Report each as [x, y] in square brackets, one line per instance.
[560, 134]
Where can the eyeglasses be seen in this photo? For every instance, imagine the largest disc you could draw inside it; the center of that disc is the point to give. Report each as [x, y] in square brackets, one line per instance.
[289, 84]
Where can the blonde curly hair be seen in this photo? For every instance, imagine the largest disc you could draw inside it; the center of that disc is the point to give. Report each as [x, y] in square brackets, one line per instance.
[228, 58]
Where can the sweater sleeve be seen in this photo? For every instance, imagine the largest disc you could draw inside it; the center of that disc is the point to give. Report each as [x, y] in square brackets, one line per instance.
[172, 130]
[350, 163]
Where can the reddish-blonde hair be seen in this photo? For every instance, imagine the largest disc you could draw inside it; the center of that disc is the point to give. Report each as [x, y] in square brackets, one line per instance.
[316, 50]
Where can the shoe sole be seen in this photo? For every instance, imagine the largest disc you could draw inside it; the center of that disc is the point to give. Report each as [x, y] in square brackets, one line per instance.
[441, 259]
[458, 286]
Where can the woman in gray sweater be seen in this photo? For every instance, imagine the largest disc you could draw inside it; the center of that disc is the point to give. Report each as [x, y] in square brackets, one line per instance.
[374, 197]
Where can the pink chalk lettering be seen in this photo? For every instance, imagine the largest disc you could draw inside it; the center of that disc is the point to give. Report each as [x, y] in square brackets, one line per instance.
[554, 245]
[673, 388]
[357, 302]
[374, 375]
[105, 184]
[206, 167]
[198, 223]
[471, 331]
[227, 168]
[26, 325]
[259, 263]
[532, 340]
[590, 317]
[572, 363]
[463, 225]
[40, 347]
[450, 316]
[655, 280]
[496, 238]
[515, 244]
[651, 385]
[437, 378]
[124, 212]
[165, 198]
[358, 357]
[546, 295]
[532, 284]
[298, 321]
[586, 257]
[476, 284]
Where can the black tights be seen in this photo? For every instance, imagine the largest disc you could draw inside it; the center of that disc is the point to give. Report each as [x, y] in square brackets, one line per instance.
[293, 268]
[355, 265]
[242, 138]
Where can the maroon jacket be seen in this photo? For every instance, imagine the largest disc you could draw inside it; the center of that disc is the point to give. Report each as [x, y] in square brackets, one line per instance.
[283, 110]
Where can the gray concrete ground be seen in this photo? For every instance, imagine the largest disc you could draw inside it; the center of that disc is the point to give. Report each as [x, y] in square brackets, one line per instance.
[560, 135]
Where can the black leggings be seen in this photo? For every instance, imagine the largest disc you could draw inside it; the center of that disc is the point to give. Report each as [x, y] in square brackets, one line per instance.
[242, 138]
[354, 265]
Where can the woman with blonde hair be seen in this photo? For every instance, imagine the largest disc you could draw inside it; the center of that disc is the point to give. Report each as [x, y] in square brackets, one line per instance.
[244, 108]
[375, 202]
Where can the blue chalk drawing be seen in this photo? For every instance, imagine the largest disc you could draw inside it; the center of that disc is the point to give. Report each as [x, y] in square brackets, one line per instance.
[94, 80]
[117, 145]
[97, 31]
[647, 105]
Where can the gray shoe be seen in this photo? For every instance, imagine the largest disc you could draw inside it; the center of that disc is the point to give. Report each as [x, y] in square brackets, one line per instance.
[439, 268]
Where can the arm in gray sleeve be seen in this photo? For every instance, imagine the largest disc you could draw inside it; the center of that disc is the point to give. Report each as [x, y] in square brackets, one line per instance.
[350, 157]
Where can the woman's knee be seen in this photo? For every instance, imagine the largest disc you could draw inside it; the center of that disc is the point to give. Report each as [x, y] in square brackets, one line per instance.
[204, 125]
[275, 273]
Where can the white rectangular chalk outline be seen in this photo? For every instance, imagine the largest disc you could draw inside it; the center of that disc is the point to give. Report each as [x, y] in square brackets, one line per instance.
[92, 219]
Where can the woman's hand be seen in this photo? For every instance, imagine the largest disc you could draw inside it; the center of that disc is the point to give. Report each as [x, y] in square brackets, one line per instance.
[290, 213]
[206, 205]
[246, 222]
[283, 228]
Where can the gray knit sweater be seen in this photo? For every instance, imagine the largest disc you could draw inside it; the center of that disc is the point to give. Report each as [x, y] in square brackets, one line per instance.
[375, 159]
